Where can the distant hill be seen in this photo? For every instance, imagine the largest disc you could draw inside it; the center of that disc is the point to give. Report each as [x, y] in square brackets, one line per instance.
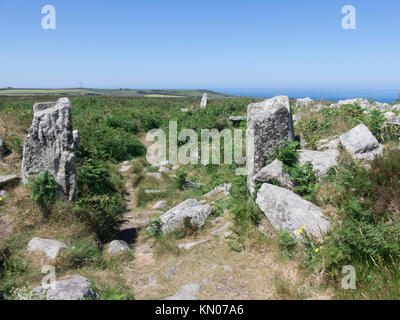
[118, 92]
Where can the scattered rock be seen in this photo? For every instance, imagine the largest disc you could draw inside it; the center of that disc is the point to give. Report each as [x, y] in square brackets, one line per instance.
[49, 146]
[186, 292]
[365, 104]
[154, 191]
[188, 211]
[222, 190]
[51, 248]
[190, 245]
[203, 103]
[117, 246]
[304, 102]
[153, 280]
[8, 179]
[274, 172]
[213, 267]
[191, 185]
[322, 161]
[394, 122]
[2, 146]
[160, 204]
[237, 119]
[361, 143]
[297, 117]
[220, 230]
[228, 268]
[171, 271]
[326, 144]
[124, 169]
[155, 175]
[286, 210]
[74, 288]
[269, 126]
[163, 169]
[389, 115]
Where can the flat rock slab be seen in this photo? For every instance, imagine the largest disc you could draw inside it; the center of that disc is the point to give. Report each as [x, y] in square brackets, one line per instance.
[117, 246]
[190, 245]
[221, 229]
[155, 175]
[286, 210]
[154, 191]
[361, 143]
[8, 179]
[186, 292]
[188, 211]
[74, 288]
[326, 144]
[51, 248]
[172, 270]
[322, 161]
[220, 192]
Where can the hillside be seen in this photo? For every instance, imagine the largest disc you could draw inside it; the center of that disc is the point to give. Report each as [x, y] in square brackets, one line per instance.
[235, 252]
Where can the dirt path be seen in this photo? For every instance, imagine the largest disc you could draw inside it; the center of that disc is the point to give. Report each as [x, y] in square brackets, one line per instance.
[258, 271]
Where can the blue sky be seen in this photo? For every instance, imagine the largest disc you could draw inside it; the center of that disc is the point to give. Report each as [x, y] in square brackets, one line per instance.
[200, 44]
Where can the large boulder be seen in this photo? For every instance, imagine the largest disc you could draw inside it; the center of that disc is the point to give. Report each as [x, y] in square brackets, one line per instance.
[190, 211]
[269, 126]
[322, 161]
[274, 172]
[361, 143]
[73, 288]
[286, 210]
[51, 248]
[50, 145]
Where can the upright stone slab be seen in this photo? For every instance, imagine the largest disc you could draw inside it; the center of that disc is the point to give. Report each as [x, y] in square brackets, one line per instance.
[269, 126]
[50, 146]
[203, 103]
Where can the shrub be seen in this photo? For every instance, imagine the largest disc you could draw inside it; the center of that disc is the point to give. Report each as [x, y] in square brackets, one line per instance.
[286, 241]
[304, 179]
[288, 154]
[44, 190]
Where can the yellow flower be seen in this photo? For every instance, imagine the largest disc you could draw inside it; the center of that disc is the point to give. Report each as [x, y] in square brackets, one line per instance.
[1, 199]
[316, 250]
[300, 231]
[303, 227]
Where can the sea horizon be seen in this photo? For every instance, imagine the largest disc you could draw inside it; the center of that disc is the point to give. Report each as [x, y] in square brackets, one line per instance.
[380, 95]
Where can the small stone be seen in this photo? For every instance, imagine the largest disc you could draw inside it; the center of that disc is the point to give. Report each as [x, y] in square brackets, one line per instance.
[124, 169]
[153, 280]
[220, 230]
[163, 169]
[117, 246]
[51, 248]
[160, 204]
[228, 268]
[154, 191]
[186, 292]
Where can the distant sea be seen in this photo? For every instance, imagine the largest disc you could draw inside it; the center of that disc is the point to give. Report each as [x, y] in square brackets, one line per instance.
[381, 95]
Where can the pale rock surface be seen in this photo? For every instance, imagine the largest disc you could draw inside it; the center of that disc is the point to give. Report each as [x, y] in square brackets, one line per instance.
[287, 210]
[50, 146]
